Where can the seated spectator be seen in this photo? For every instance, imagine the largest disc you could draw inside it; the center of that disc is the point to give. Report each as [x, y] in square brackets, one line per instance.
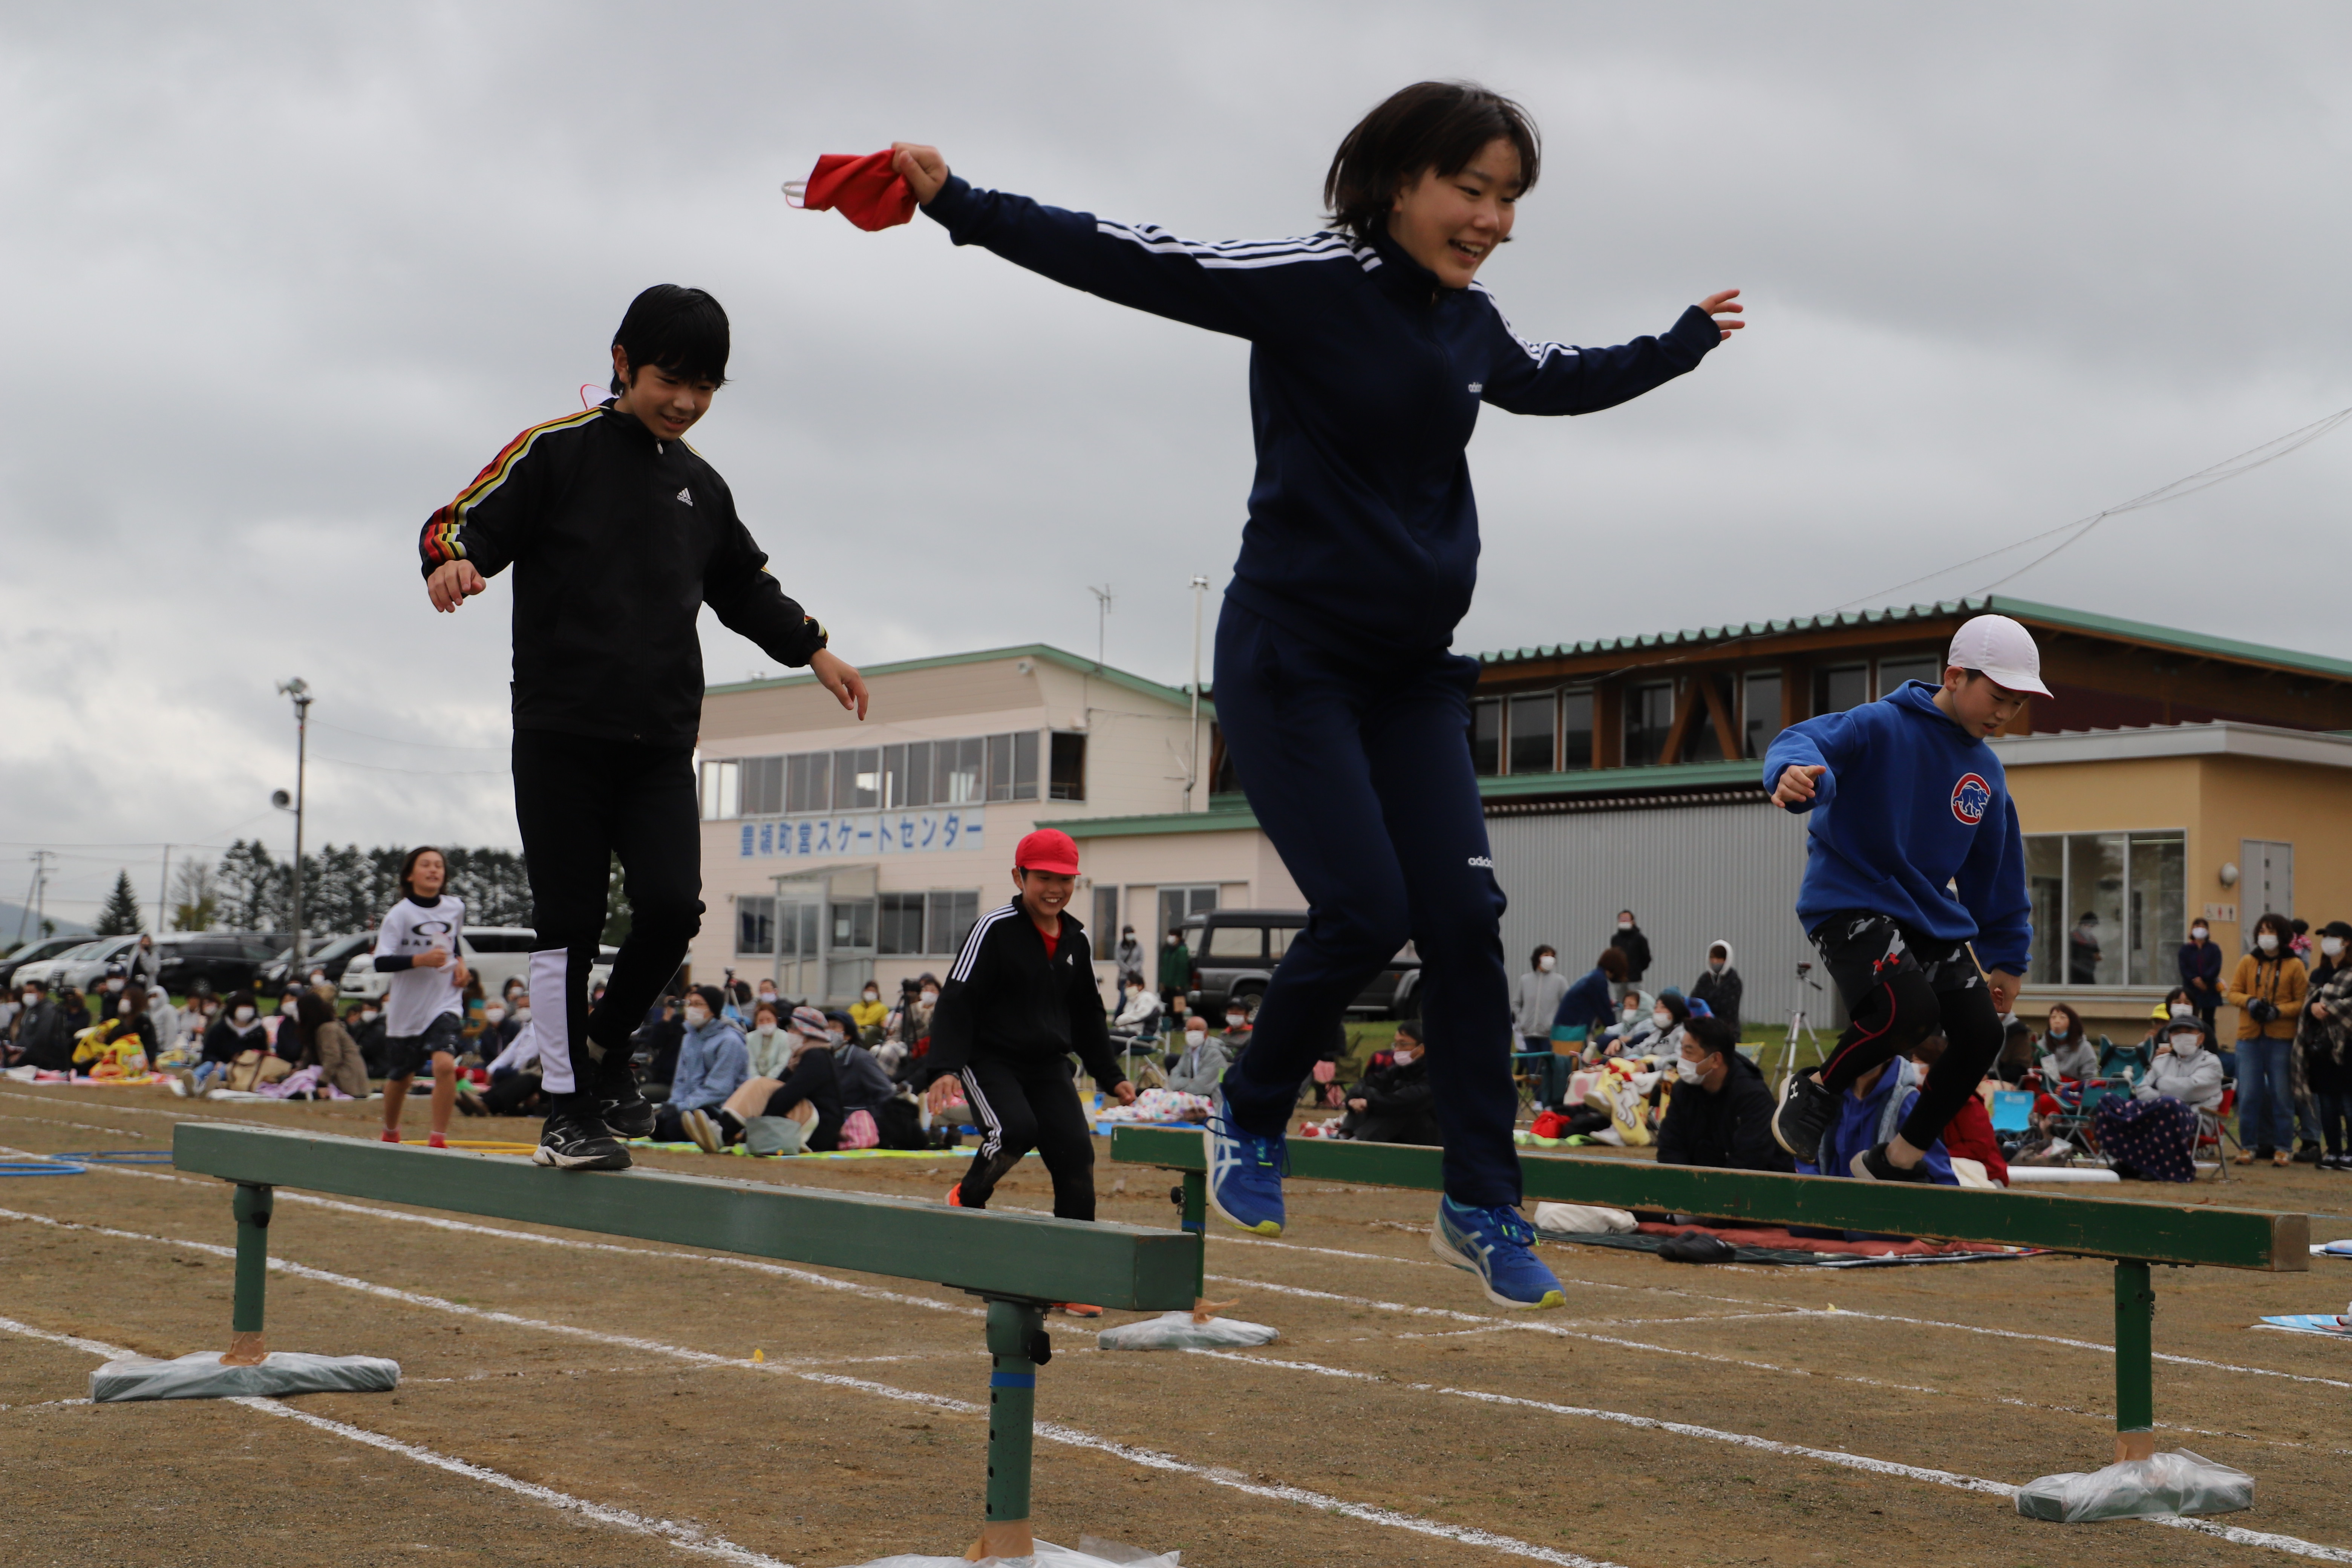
[1968, 1135]
[1197, 1068]
[866, 1084]
[1870, 1113]
[2152, 1132]
[163, 1024]
[2066, 1052]
[329, 1046]
[1141, 1014]
[711, 1063]
[41, 1039]
[657, 1042]
[1720, 1113]
[475, 1021]
[867, 1016]
[1633, 1020]
[509, 1029]
[2016, 1059]
[1393, 1102]
[1720, 986]
[122, 1046]
[517, 1085]
[1238, 1024]
[236, 1031]
[74, 1008]
[364, 1021]
[805, 1110]
[767, 1044]
[1584, 1012]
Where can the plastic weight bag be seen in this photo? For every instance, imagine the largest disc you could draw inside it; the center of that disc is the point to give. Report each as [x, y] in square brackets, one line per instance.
[1583, 1219]
[1089, 1553]
[2158, 1487]
[1178, 1331]
[201, 1375]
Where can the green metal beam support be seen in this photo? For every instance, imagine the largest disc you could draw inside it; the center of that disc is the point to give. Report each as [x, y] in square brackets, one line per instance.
[252, 1206]
[2134, 1361]
[1017, 1346]
[1196, 1224]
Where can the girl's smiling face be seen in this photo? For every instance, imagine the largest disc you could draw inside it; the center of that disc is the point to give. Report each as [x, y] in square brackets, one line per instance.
[1452, 222]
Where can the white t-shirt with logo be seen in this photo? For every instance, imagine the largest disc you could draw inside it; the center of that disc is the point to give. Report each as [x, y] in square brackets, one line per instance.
[417, 996]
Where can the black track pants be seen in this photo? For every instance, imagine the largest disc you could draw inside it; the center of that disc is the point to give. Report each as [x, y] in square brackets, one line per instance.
[1899, 988]
[579, 802]
[1030, 1106]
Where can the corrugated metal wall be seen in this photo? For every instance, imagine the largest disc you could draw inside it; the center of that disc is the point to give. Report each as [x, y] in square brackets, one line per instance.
[1693, 874]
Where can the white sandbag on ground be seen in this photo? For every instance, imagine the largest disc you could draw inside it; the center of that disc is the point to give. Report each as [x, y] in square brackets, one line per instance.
[1583, 1219]
[201, 1375]
[2158, 1487]
[1178, 1331]
[1088, 1553]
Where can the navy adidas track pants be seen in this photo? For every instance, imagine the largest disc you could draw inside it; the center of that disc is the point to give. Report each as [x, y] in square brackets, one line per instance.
[1363, 780]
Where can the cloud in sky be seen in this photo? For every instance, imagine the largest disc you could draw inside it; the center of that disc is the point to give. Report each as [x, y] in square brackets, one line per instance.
[283, 277]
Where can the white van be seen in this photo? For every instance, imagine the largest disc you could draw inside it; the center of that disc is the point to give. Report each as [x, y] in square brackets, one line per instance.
[497, 953]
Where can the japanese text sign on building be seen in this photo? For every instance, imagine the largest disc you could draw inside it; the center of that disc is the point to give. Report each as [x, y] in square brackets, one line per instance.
[864, 833]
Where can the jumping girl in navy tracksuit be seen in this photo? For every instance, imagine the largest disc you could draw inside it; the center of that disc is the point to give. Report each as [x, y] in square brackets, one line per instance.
[1371, 349]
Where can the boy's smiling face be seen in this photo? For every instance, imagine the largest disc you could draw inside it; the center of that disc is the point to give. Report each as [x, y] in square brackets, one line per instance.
[668, 405]
[1978, 705]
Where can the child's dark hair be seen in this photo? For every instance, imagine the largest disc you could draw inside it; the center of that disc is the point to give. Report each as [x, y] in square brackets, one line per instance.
[408, 864]
[1439, 125]
[1714, 1035]
[684, 330]
[1408, 1030]
[1611, 963]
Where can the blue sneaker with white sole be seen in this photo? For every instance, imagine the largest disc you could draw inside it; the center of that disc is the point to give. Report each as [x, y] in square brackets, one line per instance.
[1497, 1245]
[1246, 1174]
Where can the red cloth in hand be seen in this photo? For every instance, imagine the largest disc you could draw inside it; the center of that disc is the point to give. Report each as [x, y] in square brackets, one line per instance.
[863, 190]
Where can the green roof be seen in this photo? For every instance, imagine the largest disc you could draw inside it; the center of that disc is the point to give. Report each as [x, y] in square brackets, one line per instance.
[2020, 609]
[1517, 786]
[1045, 651]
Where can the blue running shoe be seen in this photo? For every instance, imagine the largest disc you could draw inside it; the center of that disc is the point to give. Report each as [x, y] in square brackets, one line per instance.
[1499, 1247]
[1246, 1174]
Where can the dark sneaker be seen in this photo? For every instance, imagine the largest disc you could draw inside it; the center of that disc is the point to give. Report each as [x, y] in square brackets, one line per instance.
[1805, 1113]
[577, 1140]
[619, 1105]
[1872, 1165]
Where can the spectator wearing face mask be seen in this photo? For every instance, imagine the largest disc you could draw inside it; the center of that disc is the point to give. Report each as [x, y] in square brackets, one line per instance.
[41, 1039]
[164, 1025]
[365, 1024]
[124, 1038]
[1536, 998]
[767, 1044]
[1720, 1113]
[237, 1030]
[2325, 1034]
[1629, 941]
[1128, 957]
[658, 1040]
[1238, 1027]
[2083, 953]
[2267, 989]
[1141, 1015]
[1632, 1023]
[2066, 1052]
[1719, 987]
[285, 1034]
[866, 1015]
[804, 1106]
[713, 1063]
[1175, 969]
[1196, 1068]
[2152, 1133]
[1586, 1010]
[1393, 1102]
[75, 1009]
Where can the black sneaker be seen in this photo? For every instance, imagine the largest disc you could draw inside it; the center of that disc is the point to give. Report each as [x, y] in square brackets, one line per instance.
[578, 1141]
[1805, 1113]
[1872, 1165]
[619, 1103]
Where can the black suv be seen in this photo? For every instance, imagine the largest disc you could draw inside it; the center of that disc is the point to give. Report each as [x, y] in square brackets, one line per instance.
[1234, 953]
[225, 960]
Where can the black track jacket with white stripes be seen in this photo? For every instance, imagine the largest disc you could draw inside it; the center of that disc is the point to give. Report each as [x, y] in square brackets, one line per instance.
[1366, 375]
[618, 540]
[1006, 1001]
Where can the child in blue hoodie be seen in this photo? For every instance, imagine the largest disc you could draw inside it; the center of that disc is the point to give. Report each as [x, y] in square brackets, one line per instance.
[1914, 856]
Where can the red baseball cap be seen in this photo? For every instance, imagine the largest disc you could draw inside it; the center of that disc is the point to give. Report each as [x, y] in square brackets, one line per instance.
[1047, 849]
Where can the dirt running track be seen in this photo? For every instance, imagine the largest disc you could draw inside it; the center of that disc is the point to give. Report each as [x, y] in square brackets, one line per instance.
[613, 1414]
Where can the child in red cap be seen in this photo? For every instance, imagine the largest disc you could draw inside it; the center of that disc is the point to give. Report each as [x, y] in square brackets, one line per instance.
[1020, 1000]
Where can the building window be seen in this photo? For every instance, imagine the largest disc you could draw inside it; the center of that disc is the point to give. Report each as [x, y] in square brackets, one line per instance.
[1841, 687]
[721, 790]
[1893, 672]
[1649, 714]
[1700, 741]
[1575, 730]
[1013, 766]
[1532, 721]
[899, 929]
[808, 782]
[1065, 774]
[1178, 905]
[1759, 709]
[2108, 908]
[892, 778]
[907, 776]
[1106, 930]
[951, 918]
[755, 924]
[853, 925]
[858, 779]
[1486, 736]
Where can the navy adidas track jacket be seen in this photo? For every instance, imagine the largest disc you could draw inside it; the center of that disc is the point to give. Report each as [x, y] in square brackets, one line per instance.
[1366, 375]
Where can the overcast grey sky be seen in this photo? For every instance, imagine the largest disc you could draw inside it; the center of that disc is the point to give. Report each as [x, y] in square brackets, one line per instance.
[280, 279]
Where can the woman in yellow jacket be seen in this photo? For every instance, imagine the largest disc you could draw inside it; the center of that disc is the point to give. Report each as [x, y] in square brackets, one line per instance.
[2267, 989]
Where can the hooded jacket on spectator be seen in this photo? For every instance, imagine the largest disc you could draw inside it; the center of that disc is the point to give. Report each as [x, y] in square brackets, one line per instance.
[1720, 990]
[711, 1065]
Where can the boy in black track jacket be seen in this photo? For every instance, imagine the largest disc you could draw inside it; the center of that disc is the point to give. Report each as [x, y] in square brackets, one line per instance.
[1020, 999]
[619, 533]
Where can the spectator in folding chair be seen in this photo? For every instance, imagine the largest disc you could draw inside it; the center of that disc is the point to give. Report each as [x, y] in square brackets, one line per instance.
[2152, 1133]
[2066, 1050]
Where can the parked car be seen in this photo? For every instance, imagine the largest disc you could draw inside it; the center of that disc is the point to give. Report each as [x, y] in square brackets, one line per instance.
[225, 960]
[331, 953]
[39, 950]
[497, 953]
[1234, 953]
[84, 966]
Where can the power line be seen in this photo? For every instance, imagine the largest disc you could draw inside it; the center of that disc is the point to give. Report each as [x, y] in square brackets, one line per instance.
[393, 740]
[419, 773]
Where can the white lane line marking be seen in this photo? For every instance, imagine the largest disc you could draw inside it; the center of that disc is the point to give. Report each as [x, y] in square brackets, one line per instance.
[1796, 1450]
[685, 1538]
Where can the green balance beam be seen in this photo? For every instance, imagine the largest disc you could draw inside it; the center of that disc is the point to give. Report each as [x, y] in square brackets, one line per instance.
[2147, 1233]
[1021, 1263]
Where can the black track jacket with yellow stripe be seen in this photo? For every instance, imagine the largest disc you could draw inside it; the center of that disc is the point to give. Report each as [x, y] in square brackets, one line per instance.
[618, 540]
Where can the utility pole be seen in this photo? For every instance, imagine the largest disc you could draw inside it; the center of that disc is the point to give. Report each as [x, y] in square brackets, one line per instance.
[1193, 768]
[34, 896]
[300, 691]
[163, 895]
[1102, 611]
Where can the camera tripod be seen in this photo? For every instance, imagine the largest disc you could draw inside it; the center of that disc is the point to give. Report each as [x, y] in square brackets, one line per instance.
[1798, 1024]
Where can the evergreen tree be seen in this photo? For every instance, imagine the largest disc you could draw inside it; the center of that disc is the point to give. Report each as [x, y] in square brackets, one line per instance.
[120, 916]
[247, 876]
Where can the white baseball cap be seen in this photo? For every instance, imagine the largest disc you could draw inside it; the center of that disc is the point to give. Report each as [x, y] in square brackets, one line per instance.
[2002, 650]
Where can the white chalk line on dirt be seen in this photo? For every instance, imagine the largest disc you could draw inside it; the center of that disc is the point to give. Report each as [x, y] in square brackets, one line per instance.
[684, 1537]
[1951, 1479]
[1067, 1434]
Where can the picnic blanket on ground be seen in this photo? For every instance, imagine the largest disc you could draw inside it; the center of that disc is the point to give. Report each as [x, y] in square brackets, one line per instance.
[1779, 1247]
[2328, 1324]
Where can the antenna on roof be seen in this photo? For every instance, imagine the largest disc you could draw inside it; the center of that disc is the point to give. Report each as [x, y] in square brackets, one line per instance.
[1102, 611]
